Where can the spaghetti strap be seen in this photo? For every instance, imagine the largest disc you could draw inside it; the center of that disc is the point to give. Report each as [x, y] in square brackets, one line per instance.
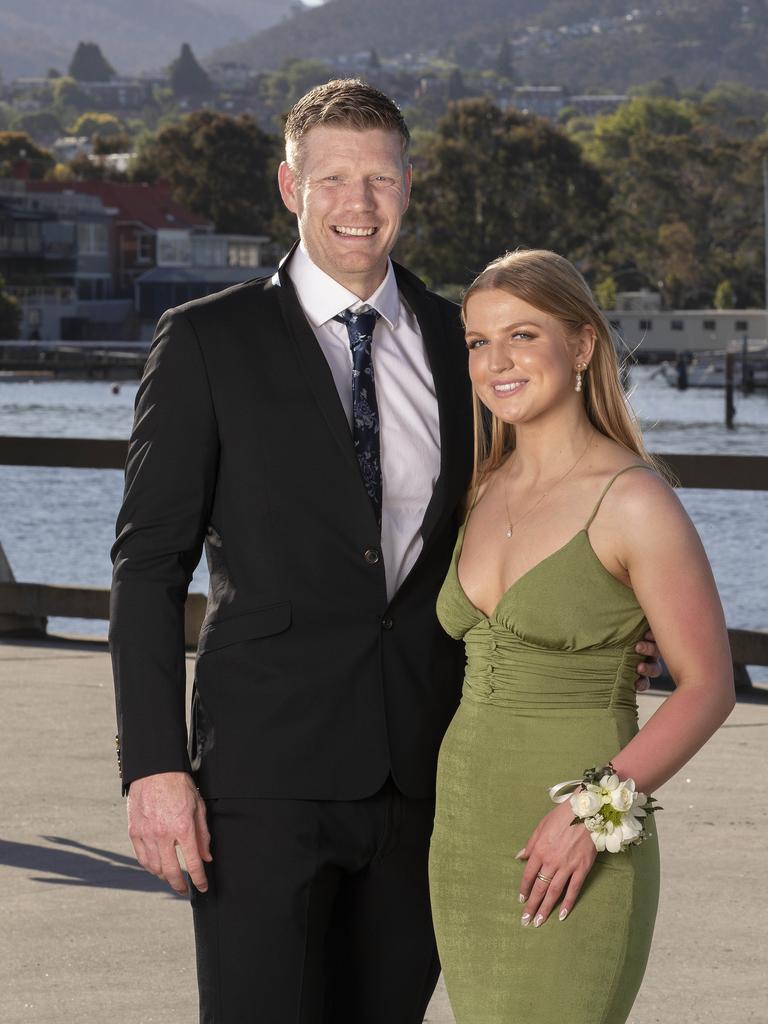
[636, 465]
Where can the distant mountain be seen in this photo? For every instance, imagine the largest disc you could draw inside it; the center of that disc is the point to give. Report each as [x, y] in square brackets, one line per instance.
[584, 44]
[134, 36]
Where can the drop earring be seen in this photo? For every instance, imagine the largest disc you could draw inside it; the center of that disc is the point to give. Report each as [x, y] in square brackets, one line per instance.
[580, 369]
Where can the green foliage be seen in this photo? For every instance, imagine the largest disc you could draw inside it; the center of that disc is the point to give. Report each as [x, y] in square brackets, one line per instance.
[89, 64]
[457, 90]
[605, 292]
[38, 122]
[220, 167]
[10, 315]
[68, 94]
[490, 181]
[16, 147]
[103, 145]
[188, 79]
[724, 297]
[93, 122]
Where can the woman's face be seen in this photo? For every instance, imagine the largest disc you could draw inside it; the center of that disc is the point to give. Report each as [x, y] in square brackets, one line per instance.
[522, 361]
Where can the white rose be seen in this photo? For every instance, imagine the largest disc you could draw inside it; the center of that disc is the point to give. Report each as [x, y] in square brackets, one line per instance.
[622, 798]
[609, 782]
[585, 804]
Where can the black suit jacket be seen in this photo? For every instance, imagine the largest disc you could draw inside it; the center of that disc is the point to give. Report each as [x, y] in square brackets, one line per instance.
[308, 683]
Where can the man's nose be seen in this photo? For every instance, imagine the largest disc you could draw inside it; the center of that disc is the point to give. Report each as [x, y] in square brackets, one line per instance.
[359, 194]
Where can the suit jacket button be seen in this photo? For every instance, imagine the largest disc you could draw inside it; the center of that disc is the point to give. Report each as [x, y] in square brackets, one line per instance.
[387, 623]
[372, 555]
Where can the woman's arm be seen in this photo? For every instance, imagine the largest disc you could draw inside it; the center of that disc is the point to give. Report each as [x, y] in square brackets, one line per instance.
[663, 556]
[673, 582]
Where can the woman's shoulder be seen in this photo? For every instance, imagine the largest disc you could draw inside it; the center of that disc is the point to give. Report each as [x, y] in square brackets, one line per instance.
[636, 490]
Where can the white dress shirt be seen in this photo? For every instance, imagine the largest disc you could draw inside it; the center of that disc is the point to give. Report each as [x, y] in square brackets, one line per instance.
[409, 426]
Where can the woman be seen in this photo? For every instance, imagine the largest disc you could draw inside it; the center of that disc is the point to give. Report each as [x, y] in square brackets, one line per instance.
[573, 545]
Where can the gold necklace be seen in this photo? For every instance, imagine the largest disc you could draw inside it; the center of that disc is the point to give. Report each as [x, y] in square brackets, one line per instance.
[559, 480]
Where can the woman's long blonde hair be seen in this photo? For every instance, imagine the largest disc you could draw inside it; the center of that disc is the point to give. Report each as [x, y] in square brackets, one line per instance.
[552, 284]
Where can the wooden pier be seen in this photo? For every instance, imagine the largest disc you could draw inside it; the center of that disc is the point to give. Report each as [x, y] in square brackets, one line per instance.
[78, 360]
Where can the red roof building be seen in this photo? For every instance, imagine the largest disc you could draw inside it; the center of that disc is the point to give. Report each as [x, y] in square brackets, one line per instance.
[140, 211]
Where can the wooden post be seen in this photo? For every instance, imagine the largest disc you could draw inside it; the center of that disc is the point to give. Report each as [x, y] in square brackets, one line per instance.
[730, 408]
[10, 623]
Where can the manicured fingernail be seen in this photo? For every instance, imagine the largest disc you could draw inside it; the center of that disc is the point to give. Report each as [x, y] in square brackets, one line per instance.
[563, 914]
[526, 919]
[538, 920]
[519, 854]
[521, 898]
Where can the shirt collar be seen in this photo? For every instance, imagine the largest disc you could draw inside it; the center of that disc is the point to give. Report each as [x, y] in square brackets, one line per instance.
[322, 298]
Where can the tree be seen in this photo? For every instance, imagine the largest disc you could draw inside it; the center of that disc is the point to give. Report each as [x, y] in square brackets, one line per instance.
[188, 79]
[90, 65]
[504, 60]
[457, 90]
[10, 315]
[103, 145]
[374, 63]
[38, 122]
[18, 151]
[491, 181]
[724, 297]
[606, 292]
[92, 123]
[219, 166]
[67, 95]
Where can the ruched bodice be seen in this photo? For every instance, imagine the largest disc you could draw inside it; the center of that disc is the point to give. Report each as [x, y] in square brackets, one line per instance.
[548, 691]
[543, 645]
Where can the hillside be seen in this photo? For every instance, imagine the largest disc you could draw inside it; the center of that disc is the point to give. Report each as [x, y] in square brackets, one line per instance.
[584, 44]
[142, 35]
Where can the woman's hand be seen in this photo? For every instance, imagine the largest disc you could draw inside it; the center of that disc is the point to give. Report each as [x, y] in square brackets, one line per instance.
[561, 852]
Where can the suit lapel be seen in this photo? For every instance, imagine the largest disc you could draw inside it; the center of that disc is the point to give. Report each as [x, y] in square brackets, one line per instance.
[318, 374]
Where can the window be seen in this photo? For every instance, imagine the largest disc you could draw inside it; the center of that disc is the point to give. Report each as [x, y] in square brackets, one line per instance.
[244, 255]
[173, 249]
[678, 325]
[710, 325]
[646, 325]
[145, 249]
[91, 239]
[742, 325]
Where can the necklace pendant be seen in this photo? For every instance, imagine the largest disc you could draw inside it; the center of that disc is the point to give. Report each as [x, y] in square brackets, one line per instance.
[509, 532]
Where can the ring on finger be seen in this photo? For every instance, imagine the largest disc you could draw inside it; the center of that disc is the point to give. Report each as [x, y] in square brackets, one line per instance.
[543, 878]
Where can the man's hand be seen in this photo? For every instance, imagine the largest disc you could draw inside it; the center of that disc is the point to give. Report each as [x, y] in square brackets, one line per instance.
[650, 667]
[166, 811]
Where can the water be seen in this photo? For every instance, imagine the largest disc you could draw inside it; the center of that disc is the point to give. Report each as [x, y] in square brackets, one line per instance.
[56, 525]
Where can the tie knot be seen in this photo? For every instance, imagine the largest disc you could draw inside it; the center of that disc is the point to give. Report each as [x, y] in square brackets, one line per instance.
[359, 325]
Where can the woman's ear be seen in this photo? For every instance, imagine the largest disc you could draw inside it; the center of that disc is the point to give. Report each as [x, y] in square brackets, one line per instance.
[585, 344]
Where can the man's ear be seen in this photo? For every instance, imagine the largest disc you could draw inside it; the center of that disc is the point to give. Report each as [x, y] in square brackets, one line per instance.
[288, 185]
[407, 186]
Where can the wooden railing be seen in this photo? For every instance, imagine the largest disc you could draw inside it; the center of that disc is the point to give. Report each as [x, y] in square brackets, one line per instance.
[24, 607]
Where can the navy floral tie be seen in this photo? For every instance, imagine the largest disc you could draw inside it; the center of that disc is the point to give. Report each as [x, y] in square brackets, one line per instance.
[365, 411]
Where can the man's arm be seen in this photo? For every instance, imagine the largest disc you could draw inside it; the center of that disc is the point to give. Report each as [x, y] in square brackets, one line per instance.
[170, 479]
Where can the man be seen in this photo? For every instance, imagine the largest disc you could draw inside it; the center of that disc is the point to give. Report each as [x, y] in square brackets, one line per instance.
[327, 498]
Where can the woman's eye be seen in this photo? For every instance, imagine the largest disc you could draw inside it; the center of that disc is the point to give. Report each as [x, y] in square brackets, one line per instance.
[522, 334]
[476, 342]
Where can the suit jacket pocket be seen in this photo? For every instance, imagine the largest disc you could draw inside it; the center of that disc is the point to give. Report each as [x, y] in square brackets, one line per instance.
[266, 621]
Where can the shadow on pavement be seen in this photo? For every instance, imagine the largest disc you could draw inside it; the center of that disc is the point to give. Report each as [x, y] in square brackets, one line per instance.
[79, 864]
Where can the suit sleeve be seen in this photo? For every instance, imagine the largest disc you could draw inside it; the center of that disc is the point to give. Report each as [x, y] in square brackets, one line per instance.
[169, 482]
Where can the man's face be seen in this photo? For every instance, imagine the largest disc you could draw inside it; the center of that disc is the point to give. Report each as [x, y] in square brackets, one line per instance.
[349, 190]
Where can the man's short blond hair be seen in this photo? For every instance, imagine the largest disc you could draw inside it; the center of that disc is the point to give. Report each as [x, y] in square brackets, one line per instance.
[343, 103]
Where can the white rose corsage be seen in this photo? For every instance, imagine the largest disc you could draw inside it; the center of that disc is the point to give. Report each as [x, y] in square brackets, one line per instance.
[612, 810]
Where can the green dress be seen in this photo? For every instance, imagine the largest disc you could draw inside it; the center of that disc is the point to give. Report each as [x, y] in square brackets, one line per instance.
[548, 692]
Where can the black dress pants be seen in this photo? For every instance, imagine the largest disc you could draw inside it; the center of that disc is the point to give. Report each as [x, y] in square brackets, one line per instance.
[317, 912]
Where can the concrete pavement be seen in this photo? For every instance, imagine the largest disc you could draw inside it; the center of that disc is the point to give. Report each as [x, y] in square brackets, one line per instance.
[89, 938]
